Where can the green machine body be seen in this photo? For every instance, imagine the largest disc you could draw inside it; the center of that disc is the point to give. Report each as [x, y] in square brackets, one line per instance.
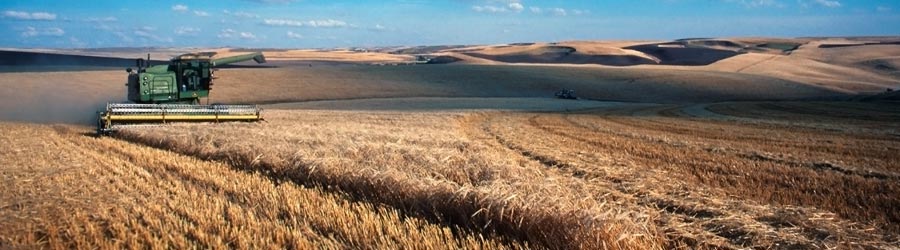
[185, 79]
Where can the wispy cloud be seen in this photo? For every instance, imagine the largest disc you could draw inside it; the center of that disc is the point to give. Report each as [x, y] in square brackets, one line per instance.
[828, 3]
[233, 34]
[558, 11]
[240, 14]
[489, 9]
[500, 6]
[102, 19]
[32, 32]
[883, 9]
[327, 23]
[201, 13]
[180, 8]
[22, 15]
[76, 42]
[292, 35]
[123, 37]
[757, 3]
[517, 7]
[247, 35]
[272, 1]
[187, 31]
[822, 3]
[148, 33]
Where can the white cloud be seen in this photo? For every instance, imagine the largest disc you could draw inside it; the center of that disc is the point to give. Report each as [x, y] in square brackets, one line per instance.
[201, 13]
[517, 7]
[122, 36]
[272, 1]
[180, 8]
[186, 31]
[282, 22]
[54, 32]
[327, 23]
[379, 27]
[232, 34]
[17, 15]
[21, 15]
[146, 34]
[32, 32]
[291, 34]
[758, 3]
[142, 33]
[558, 11]
[104, 26]
[247, 35]
[883, 9]
[43, 16]
[77, 43]
[102, 19]
[581, 12]
[227, 33]
[240, 14]
[490, 9]
[828, 3]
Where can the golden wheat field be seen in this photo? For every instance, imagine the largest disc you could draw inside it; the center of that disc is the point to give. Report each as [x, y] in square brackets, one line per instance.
[782, 175]
[630, 176]
[67, 190]
[744, 153]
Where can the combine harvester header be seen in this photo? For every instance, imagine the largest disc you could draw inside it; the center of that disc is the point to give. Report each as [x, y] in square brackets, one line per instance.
[171, 93]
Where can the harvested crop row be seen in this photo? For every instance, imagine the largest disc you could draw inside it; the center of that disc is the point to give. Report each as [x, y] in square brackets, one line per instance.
[690, 214]
[670, 163]
[65, 190]
[783, 172]
[866, 153]
[863, 119]
[420, 164]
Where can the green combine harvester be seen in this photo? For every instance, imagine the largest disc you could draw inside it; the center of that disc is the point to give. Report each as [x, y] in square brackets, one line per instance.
[171, 93]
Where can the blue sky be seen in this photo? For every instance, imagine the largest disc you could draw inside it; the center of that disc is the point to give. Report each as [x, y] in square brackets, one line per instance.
[324, 24]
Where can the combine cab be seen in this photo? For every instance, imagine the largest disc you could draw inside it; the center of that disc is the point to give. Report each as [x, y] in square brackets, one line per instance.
[171, 93]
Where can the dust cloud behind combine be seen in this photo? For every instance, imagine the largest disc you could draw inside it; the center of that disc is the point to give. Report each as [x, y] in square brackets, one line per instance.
[59, 97]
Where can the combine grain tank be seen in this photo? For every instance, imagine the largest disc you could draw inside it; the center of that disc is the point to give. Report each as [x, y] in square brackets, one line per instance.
[172, 92]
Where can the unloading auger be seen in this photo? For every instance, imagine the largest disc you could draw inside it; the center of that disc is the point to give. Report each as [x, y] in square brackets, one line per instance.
[171, 93]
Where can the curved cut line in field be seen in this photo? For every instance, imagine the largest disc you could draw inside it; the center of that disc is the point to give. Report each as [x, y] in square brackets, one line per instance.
[647, 175]
[494, 206]
[681, 212]
[73, 191]
[870, 120]
[712, 136]
[636, 199]
[875, 155]
[532, 150]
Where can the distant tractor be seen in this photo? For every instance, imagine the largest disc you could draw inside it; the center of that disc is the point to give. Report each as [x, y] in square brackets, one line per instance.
[566, 94]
